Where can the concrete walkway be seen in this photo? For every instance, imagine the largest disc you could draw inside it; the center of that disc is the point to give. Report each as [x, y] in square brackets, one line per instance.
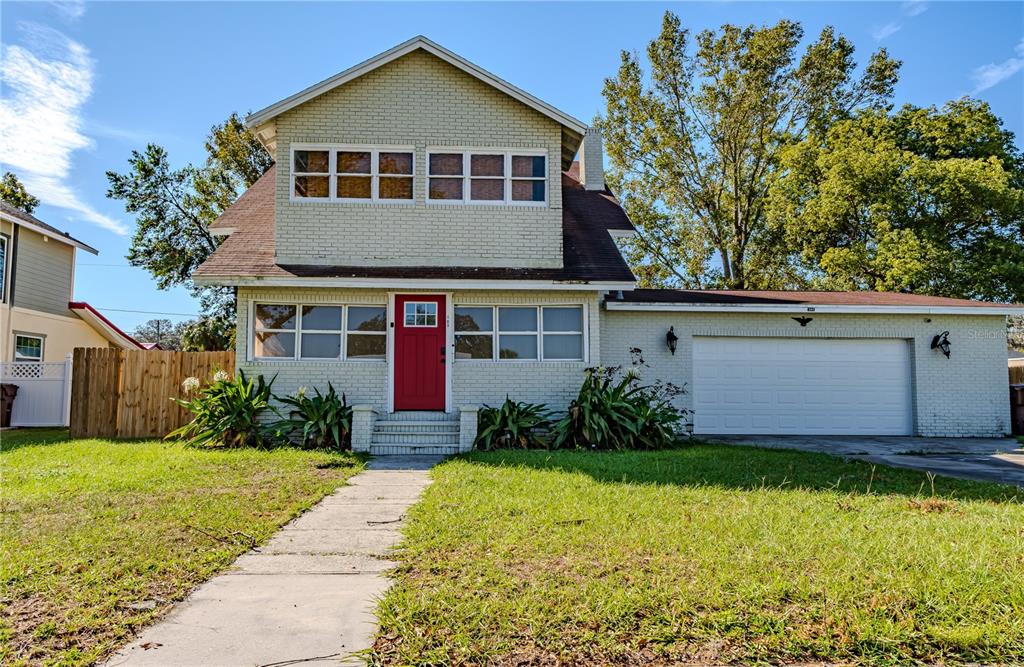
[306, 596]
[981, 459]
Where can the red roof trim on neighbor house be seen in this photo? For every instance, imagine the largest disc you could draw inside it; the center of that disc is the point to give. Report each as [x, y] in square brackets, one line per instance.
[108, 329]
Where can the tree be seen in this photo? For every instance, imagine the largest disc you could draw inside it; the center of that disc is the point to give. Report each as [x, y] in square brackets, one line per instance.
[208, 334]
[693, 150]
[163, 332]
[174, 208]
[924, 200]
[14, 193]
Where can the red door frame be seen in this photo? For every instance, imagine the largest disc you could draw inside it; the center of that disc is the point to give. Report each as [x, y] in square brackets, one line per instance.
[420, 366]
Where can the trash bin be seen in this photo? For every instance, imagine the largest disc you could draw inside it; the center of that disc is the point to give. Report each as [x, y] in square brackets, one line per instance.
[7, 394]
[1017, 409]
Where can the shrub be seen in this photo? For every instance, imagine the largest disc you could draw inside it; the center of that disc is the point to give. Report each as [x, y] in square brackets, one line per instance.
[614, 411]
[226, 412]
[514, 424]
[321, 421]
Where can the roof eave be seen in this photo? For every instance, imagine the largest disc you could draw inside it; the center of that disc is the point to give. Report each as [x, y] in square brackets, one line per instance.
[409, 283]
[993, 309]
[63, 238]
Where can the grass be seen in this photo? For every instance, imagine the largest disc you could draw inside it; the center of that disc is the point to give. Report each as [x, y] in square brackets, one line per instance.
[97, 538]
[708, 554]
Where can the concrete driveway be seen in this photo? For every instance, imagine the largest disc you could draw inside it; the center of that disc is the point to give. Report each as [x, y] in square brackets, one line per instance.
[983, 459]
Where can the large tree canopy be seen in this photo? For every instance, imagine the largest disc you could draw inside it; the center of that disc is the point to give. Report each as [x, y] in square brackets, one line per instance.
[173, 210]
[922, 200]
[693, 149]
[14, 193]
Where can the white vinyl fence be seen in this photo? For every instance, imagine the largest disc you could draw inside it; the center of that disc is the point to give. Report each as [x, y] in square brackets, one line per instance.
[44, 392]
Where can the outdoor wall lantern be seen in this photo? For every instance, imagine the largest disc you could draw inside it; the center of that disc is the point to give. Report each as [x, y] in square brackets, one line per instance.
[671, 339]
[941, 343]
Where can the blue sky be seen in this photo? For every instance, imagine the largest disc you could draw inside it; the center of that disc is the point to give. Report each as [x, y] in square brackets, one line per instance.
[85, 83]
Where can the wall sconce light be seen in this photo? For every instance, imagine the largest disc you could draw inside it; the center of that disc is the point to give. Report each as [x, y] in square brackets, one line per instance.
[941, 342]
[671, 339]
[803, 321]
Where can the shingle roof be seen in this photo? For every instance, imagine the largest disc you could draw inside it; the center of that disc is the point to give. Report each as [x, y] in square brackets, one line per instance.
[15, 212]
[589, 252]
[783, 297]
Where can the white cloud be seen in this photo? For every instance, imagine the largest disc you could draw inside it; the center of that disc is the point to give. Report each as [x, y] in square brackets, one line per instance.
[69, 10]
[992, 74]
[908, 9]
[914, 7]
[890, 28]
[40, 117]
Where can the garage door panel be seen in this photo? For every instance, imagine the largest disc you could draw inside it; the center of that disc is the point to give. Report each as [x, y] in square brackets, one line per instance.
[801, 386]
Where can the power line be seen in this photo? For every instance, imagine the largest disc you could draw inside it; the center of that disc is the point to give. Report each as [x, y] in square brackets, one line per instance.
[145, 312]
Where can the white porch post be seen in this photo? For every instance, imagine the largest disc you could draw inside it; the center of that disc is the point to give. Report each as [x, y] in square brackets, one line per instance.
[467, 426]
[362, 427]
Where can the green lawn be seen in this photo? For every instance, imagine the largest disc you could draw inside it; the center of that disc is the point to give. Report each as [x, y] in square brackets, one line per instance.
[93, 532]
[705, 554]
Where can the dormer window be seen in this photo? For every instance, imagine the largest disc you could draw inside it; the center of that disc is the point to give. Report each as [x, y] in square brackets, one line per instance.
[487, 177]
[352, 174]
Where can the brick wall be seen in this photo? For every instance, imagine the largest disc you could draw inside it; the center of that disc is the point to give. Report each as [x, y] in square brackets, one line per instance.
[965, 395]
[422, 101]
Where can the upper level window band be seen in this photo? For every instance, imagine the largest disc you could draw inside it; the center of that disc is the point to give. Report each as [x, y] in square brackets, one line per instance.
[352, 174]
[486, 177]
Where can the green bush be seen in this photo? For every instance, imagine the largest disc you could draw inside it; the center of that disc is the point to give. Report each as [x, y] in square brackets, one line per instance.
[321, 421]
[614, 411]
[226, 412]
[514, 424]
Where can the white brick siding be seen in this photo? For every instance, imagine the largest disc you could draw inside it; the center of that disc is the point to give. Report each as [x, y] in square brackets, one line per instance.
[418, 100]
[965, 395]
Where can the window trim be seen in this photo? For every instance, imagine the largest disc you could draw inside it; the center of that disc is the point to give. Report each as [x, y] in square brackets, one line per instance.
[299, 330]
[332, 172]
[5, 241]
[496, 332]
[405, 315]
[507, 178]
[42, 347]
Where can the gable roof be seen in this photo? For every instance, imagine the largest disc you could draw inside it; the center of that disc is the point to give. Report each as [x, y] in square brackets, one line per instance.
[17, 216]
[799, 301]
[589, 252]
[105, 327]
[419, 42]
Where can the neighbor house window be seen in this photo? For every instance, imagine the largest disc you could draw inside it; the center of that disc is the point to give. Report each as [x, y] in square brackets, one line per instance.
[486, 177]
[3, 267]
[353, 174]
[319, 332]
[28, 348]
[519, 333]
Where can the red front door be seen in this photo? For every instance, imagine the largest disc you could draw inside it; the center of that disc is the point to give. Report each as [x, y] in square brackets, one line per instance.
[419, 352]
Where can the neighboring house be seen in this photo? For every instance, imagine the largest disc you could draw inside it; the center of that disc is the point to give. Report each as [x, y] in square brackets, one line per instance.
[39, 321]
[426, 242]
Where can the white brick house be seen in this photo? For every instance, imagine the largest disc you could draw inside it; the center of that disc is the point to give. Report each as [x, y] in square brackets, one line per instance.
[427, 243]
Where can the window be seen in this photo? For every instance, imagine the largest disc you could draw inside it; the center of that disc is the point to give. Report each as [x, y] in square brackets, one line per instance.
[523, 333]
[3, 267]
[367, 332]
[353, 174]
[319, 332]
[420, 314]
[487, 177]
[28, 348]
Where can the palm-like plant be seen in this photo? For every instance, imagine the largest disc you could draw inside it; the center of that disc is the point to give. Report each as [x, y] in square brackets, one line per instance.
[514, 424]
[226, 413]
[319, 421]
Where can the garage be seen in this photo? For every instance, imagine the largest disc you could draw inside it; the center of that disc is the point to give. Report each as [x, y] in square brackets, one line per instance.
[802, 386]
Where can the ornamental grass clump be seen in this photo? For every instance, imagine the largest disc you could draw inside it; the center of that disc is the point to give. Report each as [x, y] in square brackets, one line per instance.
[320, 421]
[514, 424]
[614, 411]
[226, 412]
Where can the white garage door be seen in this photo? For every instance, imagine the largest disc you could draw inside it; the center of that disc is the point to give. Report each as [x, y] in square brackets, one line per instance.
[797, 386]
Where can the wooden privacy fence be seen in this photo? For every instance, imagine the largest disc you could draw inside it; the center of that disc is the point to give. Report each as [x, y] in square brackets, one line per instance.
[1016, 371]
[127, 393]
